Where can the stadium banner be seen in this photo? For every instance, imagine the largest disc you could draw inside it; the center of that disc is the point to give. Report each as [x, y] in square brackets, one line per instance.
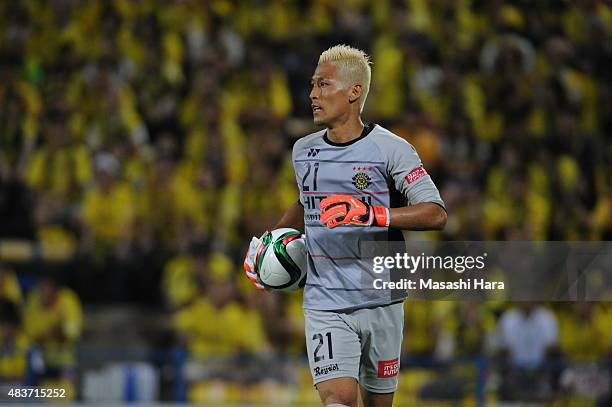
[489, 270]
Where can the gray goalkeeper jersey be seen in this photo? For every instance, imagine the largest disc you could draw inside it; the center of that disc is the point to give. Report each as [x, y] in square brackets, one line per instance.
[379, 168]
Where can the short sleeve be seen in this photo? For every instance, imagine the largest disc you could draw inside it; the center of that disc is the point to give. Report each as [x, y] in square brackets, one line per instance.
[408, 174]
[297, 178]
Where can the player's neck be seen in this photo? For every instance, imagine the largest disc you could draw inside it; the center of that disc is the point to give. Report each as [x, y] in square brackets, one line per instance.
[346, 131]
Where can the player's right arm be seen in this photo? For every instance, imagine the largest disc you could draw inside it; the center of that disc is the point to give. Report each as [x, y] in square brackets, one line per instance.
[293, 218]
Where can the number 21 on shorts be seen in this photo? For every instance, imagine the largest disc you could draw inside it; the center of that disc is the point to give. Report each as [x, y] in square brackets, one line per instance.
[319, 354]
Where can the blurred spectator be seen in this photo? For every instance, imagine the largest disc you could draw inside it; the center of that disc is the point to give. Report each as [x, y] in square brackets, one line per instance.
[60, 165]
[14, 345]
[108, 208]
[9, 286]
[586, 339]
[53, 320]
[219, 323]
[530, 363]
[474, 323]
[585, 331]
[528, 334]
[186, 276]
[424, 324]
[283, 322]
[57, 241]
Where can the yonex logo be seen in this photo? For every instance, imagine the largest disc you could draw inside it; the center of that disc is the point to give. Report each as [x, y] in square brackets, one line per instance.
[313, 152]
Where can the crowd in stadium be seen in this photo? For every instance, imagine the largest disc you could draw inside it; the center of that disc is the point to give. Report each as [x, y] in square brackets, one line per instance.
[142, 145]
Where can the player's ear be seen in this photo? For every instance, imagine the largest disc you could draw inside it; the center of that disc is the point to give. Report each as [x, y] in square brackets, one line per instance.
[355, 93]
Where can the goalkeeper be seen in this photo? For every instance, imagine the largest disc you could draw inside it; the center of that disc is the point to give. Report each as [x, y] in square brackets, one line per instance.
[357, 183]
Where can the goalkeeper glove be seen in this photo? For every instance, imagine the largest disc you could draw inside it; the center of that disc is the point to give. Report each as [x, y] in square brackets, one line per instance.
[250, 261]
[343, 209]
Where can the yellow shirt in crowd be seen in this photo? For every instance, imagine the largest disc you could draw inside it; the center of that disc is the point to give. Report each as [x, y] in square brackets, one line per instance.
[110, 215]
[14, 358]
[218, 332]
[67, 312]
[9, 287]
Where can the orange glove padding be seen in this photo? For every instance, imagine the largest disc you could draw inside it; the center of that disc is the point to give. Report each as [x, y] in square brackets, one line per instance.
[343, 209]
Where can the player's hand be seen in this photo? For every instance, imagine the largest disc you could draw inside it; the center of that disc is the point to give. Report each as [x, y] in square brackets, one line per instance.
[343, 210]
[250, 261]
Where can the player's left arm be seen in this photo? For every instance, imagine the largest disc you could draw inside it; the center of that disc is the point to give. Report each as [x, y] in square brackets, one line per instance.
[425, 209]
[421, 216]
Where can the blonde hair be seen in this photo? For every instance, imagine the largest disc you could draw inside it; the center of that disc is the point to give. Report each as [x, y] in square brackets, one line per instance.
[354, 67]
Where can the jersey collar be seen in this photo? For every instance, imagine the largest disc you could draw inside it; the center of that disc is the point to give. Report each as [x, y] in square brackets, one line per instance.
[366, 130]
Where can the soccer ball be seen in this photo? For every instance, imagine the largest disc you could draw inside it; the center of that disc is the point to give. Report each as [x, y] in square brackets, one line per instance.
[281, 261]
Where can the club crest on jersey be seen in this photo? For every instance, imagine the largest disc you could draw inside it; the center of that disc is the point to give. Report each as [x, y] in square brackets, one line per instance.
[361, 180]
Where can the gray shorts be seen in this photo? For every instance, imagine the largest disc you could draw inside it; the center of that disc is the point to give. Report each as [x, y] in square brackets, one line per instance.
[364, 344]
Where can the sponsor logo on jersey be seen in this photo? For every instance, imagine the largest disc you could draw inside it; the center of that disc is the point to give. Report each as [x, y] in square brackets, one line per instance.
[361, 180]
[313, 216]
[388, 368]
[313, 152]
[415, 174]
[320, 371]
